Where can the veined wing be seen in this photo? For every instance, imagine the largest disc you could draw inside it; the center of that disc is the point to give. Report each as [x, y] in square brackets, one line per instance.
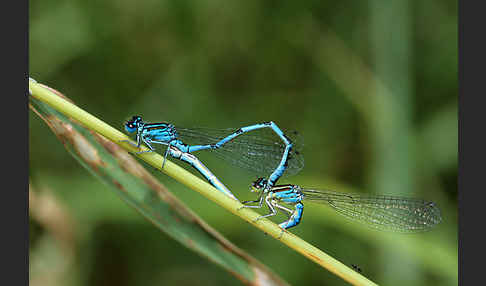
[382, 212]
[259, 151]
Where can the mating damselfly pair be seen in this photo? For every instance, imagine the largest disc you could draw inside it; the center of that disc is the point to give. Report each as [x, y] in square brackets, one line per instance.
[279, 155]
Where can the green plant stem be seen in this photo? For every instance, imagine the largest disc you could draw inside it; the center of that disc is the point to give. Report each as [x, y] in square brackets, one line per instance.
[50, 97]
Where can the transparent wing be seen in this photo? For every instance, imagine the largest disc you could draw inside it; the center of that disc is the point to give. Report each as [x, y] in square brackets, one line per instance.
[259, 151]
[382, 212]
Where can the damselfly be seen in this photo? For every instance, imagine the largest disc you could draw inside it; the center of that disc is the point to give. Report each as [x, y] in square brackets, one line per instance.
[257, 152]
[379, 211]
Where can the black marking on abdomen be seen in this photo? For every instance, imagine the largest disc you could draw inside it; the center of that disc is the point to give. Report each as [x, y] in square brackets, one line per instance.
[282, 188]
[288, 139]
[286, 164]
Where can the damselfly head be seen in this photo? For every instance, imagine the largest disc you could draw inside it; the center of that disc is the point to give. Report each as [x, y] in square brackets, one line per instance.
[132, 124]
[258, 185]
[253, 189]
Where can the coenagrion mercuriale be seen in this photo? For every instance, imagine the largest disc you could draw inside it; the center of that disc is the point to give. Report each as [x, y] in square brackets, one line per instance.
[258, 151]
[383, 212]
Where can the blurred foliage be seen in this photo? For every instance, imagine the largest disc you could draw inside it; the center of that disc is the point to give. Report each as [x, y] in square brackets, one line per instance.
[227, 64]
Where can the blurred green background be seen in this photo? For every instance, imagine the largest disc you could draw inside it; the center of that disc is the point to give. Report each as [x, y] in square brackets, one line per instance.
[370, 85]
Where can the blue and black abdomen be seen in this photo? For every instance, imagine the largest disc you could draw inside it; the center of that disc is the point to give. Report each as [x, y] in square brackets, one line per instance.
[295, 218]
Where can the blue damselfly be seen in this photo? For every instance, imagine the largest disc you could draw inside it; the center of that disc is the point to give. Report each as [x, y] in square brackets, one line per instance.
[258, 152]
[383, 212]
